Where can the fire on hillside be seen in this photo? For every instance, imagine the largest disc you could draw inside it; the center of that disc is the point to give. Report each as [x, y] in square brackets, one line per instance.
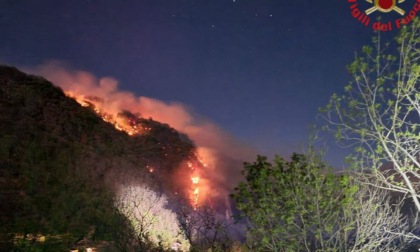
[132, 125]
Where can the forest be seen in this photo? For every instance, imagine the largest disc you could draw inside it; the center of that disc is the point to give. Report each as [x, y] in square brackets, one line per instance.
[74, 179]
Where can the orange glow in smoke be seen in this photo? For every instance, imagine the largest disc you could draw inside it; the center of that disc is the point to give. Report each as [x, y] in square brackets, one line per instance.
[194, 193]
[195, 180]
[118, 123]
[198, 184]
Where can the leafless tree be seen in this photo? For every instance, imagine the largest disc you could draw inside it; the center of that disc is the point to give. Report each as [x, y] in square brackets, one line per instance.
[375, 221]
[154, 225]
[205, 229]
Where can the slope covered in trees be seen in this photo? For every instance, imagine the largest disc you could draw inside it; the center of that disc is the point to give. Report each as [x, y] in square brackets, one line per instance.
[60, 165]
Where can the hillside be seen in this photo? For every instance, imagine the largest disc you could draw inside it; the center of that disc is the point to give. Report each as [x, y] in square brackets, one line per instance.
[60, 163]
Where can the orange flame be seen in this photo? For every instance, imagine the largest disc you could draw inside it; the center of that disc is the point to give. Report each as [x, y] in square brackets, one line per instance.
[123, 126]
[195, 180]
[195, 195]
[118, 123]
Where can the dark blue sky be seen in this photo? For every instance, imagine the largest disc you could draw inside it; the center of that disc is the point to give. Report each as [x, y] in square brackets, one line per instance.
[258, 68]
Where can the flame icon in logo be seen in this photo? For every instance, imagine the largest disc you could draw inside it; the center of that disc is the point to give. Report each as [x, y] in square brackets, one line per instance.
[385, 6]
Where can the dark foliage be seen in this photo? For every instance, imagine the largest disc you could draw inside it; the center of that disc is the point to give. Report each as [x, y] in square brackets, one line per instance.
[59, 163]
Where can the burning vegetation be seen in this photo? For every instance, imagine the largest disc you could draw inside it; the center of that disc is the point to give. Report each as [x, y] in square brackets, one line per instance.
[104, 139]
[216, 156]
[135, 125]
[63, 168]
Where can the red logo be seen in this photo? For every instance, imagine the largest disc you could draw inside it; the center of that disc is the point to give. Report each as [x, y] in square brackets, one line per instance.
[363, 12]
[385, 6]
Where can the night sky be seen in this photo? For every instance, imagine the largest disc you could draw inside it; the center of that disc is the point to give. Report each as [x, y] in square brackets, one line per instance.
[257, 68]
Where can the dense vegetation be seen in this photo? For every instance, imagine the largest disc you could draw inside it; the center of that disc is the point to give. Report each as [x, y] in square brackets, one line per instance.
[70, 180]
[60, 164]
[302, 205]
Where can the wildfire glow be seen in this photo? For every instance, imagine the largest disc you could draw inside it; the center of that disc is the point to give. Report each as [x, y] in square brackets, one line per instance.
[195, 195]
[195, 180]
[132, 128]
[128, 127]
[196, 168]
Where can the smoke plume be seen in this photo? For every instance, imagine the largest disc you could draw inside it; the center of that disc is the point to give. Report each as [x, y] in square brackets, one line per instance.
[222, 153]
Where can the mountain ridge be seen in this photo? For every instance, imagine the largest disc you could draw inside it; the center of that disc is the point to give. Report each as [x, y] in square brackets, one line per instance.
[60, 163]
